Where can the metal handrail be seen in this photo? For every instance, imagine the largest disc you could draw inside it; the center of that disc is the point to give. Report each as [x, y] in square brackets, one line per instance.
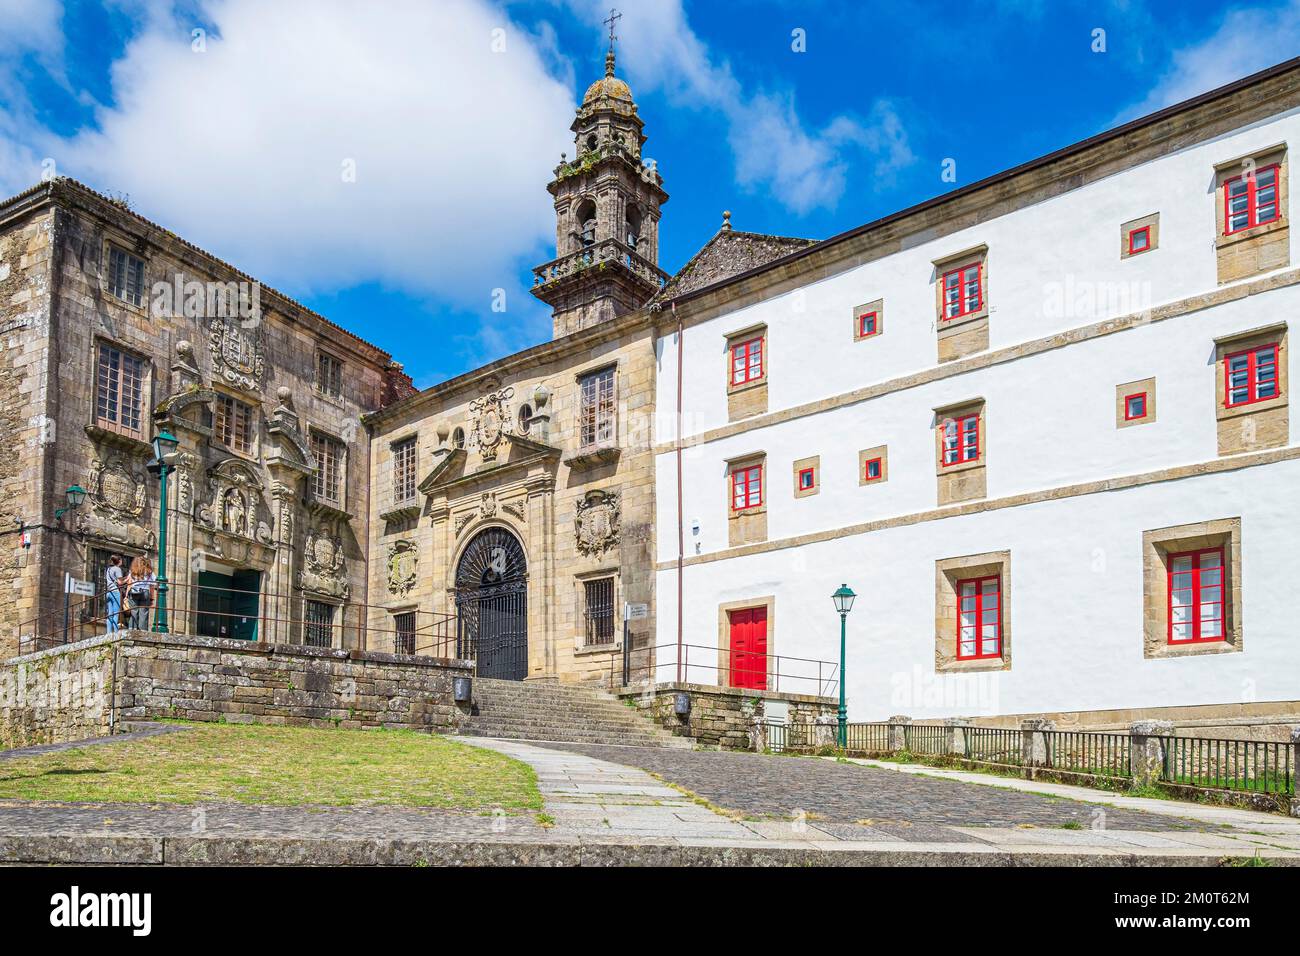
[778, 669]
[435, 633]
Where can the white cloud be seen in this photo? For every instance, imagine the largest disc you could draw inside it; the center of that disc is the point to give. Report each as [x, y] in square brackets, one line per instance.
[803, 168]
[242, 148]
[1247, 40]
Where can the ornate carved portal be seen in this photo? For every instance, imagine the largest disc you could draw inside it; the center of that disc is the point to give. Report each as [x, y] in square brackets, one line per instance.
[492, 605]
[596, 523]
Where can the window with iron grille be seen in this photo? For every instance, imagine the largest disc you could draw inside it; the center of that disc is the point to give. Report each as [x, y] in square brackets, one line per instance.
[1251, 376]
[598, 409]
[1196, 588]
[1250, 200]
[963, 292]
[119, 391]
[233, 424]
[961, 439]
[979, 618]
[329, 467]
[318, 624]
[125, 276]
[404, 624]
[747, 361]
[329, 374]
[404, 471]
[599, 610]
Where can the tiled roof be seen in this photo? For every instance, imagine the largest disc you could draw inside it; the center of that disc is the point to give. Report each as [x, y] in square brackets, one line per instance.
[728, 254]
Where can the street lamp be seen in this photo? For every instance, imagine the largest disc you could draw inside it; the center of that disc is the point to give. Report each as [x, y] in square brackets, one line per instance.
[843, 599]
[75, 495]
[164, 446]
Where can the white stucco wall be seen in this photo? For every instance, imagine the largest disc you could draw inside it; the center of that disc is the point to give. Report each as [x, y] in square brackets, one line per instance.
[1076, 582]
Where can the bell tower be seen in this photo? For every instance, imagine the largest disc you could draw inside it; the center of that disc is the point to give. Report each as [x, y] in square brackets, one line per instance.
[607, 203]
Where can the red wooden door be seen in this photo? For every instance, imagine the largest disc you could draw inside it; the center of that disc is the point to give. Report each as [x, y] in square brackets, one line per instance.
[749, 648]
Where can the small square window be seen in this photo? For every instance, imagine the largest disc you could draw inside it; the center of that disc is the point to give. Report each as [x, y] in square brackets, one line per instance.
[1135, 406]
[1139, 240]
[806, 479]
[872, 470]
[868, 324]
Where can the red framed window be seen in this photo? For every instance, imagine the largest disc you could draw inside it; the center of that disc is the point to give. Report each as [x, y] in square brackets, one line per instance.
[1135, 406]
[747, 361]
[961, 439]
[1196, 583]
[868, 324]
[1250, 375]
[872, 469]
[963, 291]
[1139, 240]
[1250, 200]
[979, 618]
[807, 479]
[747, 487]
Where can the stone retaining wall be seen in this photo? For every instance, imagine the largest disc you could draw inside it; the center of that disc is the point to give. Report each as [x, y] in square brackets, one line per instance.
[85, 689]
[722, 716]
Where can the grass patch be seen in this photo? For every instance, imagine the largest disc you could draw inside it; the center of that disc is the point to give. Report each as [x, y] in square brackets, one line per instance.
[278, 766]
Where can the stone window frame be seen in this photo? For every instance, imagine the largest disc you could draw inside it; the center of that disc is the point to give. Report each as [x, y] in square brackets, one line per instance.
[339, 503]
[768, 602]
[125, 246]
[412, 439]
[146, 388]
[580, 581]
[1157, 547]
[335, 625]
[580, 377]
[880, 452]
[396, 611]
[1127, 390]
[741, 337]
[1239, 425]
[1151, 223]
[963, 480]
[876, 306]
[1224, 241]
[947, 573]
[324, 356]
[254, 416]
[974, 255]
[813, 464]
[746, 525]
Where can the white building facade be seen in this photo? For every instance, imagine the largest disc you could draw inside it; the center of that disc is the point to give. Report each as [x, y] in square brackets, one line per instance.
[1040, 426]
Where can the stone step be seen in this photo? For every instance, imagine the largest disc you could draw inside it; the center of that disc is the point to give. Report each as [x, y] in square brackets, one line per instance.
[682, 743]
[529, 708]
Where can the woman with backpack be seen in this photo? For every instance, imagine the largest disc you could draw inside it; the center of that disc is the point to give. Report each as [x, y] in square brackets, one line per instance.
[140, 592]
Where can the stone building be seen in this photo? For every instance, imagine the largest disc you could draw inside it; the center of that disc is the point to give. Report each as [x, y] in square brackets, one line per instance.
[115, 329]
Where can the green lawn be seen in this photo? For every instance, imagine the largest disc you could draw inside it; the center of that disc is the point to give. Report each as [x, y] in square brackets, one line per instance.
[282, 766]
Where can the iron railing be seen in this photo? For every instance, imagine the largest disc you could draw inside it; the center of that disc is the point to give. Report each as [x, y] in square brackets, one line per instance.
[1254, 766]
[930, 739]
[708, 665]
[1099, 754]
[868, 738]
[209, 611]
[999, 745]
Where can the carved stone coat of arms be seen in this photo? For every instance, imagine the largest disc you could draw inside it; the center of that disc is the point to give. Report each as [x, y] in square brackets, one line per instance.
[237, 352]
[596, 522]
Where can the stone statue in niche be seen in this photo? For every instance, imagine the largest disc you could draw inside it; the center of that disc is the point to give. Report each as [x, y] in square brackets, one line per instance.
[234, 513]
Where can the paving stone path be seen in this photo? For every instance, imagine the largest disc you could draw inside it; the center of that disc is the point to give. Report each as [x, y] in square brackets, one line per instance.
[838, 796]
[140, 732]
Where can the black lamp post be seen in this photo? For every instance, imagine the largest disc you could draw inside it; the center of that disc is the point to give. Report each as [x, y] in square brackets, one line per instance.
[843, 599]
[164, 446]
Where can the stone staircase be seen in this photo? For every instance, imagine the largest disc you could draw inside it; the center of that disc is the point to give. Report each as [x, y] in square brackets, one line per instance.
[572, 713]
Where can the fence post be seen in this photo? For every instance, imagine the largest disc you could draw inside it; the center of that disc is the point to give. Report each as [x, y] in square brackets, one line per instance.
[1147, 750]
[758, 734]
[954, 736]
[1295, 771]
[898, 733]
[1033, 743]
[825, 727]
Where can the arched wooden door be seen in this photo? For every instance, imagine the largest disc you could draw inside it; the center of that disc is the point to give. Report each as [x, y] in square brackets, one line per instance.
[492, 605]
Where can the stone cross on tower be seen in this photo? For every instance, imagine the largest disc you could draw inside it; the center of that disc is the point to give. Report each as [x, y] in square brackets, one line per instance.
[607, 204]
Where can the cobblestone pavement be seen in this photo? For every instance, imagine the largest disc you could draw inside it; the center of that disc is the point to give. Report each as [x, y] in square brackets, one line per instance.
[837, 796]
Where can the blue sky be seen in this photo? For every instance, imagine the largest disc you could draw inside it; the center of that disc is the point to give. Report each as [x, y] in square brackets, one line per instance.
[452, 116]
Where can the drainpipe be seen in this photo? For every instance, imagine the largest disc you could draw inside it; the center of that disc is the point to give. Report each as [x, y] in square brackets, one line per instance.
[681, 532]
